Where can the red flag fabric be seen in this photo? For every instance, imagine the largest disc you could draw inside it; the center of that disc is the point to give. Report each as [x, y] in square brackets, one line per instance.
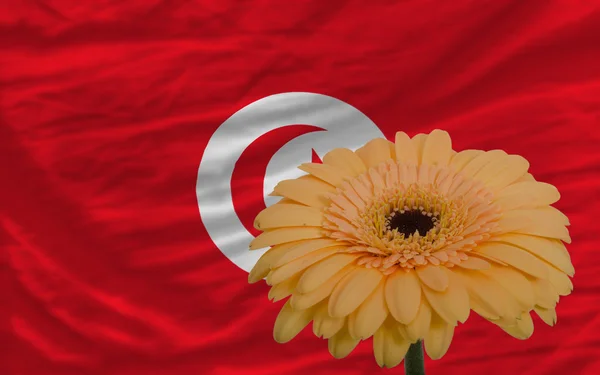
[107, 107]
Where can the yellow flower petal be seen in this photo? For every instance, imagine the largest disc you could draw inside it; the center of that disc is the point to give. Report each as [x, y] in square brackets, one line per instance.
[525, 177]
[325, 326]
[303, 248]
[284, 289]
[481, 160]
[438, 338]
[545, 295]
[328, 173]
[371, 314]
[263, 266]
[307, 190]
[522, 330]
[282, 235]
[419, 327]
[290, 269]
[341, 344]
[453, 304]
[543, 222]
[474, 263]
[389, 347]
[419, 142]
[303, 301]
[437, 148]
[461, 159]
[488, 293]
[559, 281]
[551, 250]
[434, 277]
[482, 310]
[548, 316]
[526, 194]
[346, 160]
[403, 295]
[290, 322]
[375, 152]
[288, 215]
[352, 290]
[319, 273]
[516, 257]
[515, 283]
[502, 171]
[405, 150]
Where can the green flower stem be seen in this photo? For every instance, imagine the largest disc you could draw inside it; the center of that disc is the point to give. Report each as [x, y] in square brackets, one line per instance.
[414, 362]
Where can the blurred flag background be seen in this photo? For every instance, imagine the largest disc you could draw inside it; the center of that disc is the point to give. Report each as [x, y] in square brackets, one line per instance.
[106, 107]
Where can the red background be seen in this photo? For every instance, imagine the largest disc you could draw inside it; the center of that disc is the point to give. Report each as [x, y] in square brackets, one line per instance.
[107, 105]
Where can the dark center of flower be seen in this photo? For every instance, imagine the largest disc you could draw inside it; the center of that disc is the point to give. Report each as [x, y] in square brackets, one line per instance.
[409, 222]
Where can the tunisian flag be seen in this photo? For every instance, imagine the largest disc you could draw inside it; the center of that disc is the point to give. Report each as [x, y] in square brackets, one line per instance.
[108, 109]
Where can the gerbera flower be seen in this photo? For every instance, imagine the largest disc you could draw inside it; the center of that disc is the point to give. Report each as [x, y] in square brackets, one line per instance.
[400, 241]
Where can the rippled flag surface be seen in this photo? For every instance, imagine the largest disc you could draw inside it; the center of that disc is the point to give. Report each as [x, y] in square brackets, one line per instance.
[106, 108]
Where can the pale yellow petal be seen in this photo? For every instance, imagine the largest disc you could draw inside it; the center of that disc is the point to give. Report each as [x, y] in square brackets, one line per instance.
[419, 142]
[401, 328]
[543, 222]
[290, 269]
[317, 274]
[352, 290]
[453, 304]
[525, 177]
[307, 190]
[290, 322]
[515, 283]
[405, 150]
[282, 235]
[551, 250]
[303, 248]
[288, 215]
[482, 310]
[474, 263]
[284, 289]
[548, 316]
[502, 171]
[403, 295]
[341, 344]
[371, 314]
[489, 294]
[328, 173]
[346, 160]
[389, 346]
[481, 160]
[270, 257]
[514, 256]
[461, 159]
[434, 277]
[377, 179]
[325, 326]
[419, 327]
[526, 194]
[303, 301]
[545, 295]
[522, 330]
[437, 149]
[559, 281]
[375, 152]
[438, 338]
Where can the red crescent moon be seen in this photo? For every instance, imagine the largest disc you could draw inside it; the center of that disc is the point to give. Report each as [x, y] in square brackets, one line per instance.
[247, 180]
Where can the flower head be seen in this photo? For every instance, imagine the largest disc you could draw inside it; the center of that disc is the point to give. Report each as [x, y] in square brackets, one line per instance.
[400, 241]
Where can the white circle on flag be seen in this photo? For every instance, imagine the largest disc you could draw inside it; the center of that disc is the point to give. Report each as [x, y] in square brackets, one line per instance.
[345, 126]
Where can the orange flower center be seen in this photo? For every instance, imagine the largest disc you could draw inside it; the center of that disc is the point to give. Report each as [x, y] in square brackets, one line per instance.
[407, 216]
